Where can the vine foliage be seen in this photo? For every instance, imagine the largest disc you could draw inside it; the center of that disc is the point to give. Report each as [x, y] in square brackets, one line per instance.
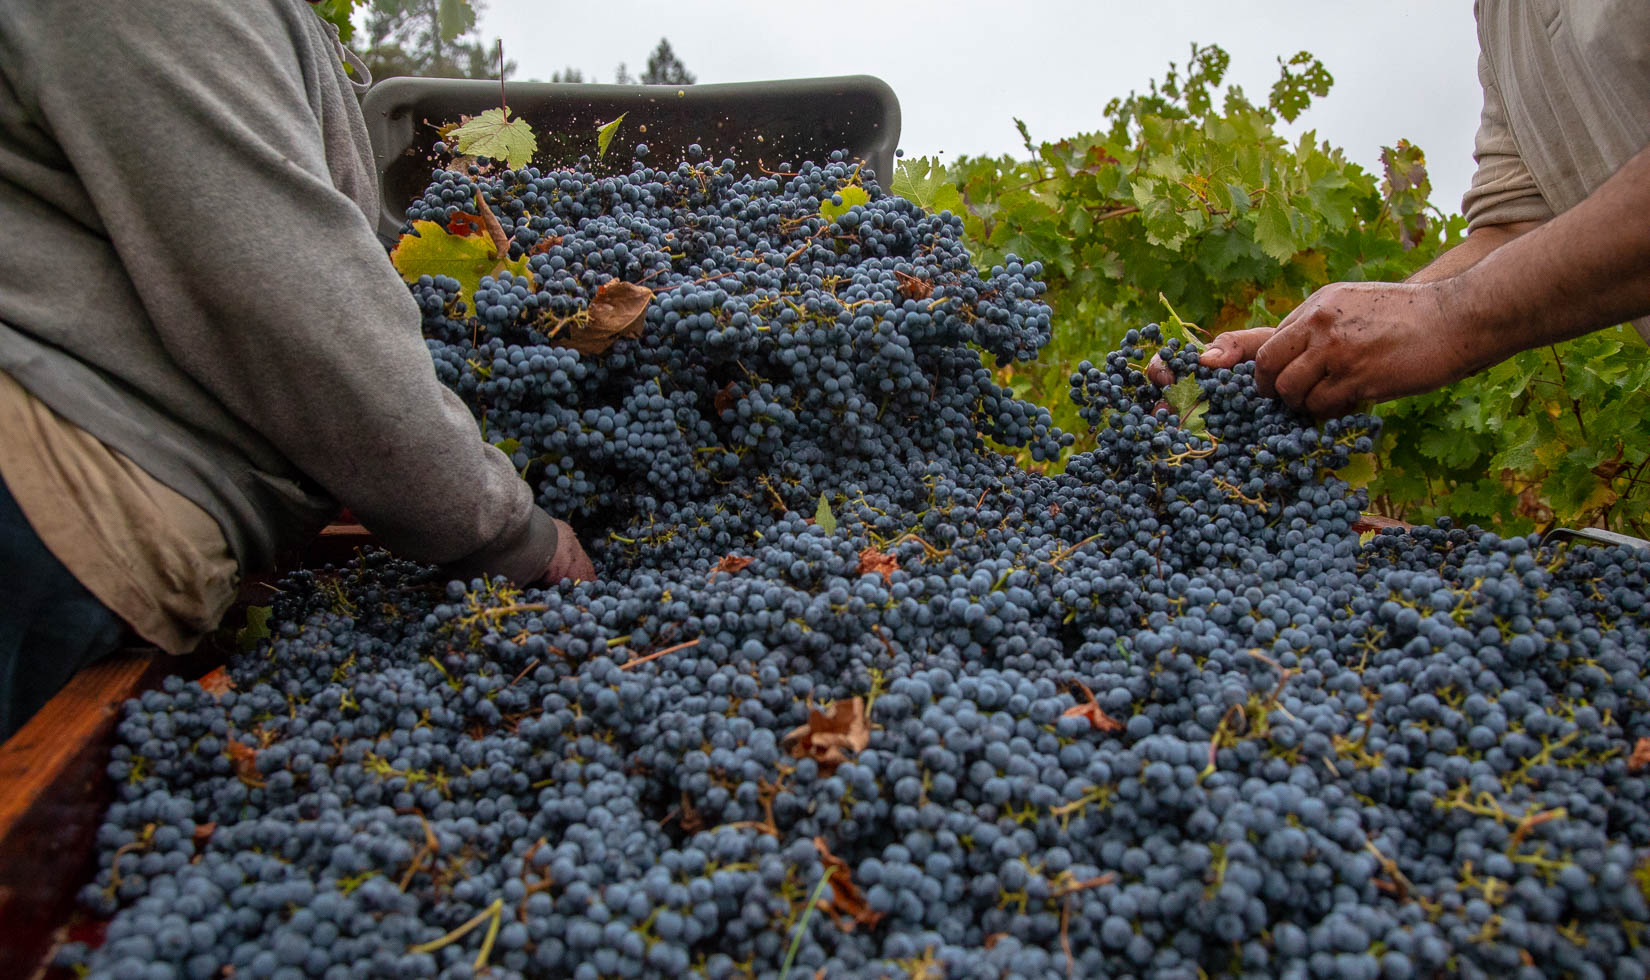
[1190, 205]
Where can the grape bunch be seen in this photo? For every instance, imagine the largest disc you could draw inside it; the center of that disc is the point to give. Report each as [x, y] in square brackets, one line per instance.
[856, 695]
[784, 354]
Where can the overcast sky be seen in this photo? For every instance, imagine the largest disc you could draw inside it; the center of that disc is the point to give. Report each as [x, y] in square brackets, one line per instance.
[964, 69]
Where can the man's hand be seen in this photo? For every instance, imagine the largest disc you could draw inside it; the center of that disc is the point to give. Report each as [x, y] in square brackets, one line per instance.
[569, 561]
[1363, 342]
[1350, 343]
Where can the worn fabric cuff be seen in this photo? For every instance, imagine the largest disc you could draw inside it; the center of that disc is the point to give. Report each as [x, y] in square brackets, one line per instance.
[522, 558]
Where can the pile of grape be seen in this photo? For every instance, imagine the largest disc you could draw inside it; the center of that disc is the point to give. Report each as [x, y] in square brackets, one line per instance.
[855, 695]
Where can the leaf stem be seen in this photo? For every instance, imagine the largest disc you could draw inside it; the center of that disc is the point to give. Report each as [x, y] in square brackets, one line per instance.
[505, 106]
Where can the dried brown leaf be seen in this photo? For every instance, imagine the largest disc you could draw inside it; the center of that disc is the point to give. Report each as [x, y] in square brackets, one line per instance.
[846, 906]
[217, 682]
[830, 736]
[465, 224]
[1611, 468]
[495, 231]
[874, 562]
[729, 564]
[912, 287]
[1641, 755]
[1090, 709]
[1532, 506]
[245, 760]
[726, 398]
[617, 311]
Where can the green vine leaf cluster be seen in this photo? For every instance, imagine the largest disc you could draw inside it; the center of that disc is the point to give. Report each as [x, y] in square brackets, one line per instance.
[1189, 203]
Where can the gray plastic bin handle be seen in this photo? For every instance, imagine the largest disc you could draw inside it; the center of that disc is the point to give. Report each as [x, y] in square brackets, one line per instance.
[1595, 536]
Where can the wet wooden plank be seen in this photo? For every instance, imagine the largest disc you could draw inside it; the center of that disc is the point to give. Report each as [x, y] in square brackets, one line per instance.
[52, 796]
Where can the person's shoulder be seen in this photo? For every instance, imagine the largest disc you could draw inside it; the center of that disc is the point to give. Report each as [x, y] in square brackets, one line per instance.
[98, 41]
[186, 22]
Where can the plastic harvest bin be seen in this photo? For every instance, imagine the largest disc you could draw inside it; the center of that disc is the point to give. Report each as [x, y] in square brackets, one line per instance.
[757, 124]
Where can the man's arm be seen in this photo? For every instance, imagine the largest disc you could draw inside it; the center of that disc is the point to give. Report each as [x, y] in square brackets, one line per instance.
[1586, 269]
[189, 123]
[1478, 244]
[1237, 346]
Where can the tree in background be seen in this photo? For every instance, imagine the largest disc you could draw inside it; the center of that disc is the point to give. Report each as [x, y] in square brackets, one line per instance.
[417, 37]
[664, 68]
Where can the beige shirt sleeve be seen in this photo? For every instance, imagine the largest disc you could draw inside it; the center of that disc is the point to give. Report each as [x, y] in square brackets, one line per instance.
[1503, 189]
[152, 556]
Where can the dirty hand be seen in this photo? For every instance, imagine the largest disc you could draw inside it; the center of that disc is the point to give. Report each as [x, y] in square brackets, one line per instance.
[569, 560]
[1351, 343]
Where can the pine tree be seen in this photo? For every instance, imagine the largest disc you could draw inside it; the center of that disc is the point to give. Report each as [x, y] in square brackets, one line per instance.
[664, 68]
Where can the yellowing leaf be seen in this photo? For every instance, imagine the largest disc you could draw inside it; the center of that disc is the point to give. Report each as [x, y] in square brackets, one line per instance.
[851, 195]
[604, 136]
[618, 310]
[432, 251]
[1359, 471]
[494, 134]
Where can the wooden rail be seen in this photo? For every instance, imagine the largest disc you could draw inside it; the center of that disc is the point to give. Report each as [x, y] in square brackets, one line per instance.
[52, 796]
[53, 790]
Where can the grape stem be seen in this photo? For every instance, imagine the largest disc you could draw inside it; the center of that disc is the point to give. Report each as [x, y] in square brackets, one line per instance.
[494, 911]
[659, 653]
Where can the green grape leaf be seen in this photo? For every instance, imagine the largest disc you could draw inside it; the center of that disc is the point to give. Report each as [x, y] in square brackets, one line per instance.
[1186, 398]
[430, 250]
[256, 628]
[1273, 232]
[1447, 446]
[1180, 328]
[340, 14]
[823, 516]
[454, 18]
[919, 181]
[851, 195]
[494, 134]
[509, 446]
[604, 136]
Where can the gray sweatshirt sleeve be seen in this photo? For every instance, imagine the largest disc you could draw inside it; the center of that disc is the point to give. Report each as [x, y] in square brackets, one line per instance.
[193, 126]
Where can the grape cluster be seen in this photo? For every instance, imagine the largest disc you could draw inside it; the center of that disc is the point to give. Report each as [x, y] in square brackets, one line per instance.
[857, 696]
[785, 354]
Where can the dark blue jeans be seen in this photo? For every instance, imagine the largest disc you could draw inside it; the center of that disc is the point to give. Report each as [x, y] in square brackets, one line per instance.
[50, 626]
